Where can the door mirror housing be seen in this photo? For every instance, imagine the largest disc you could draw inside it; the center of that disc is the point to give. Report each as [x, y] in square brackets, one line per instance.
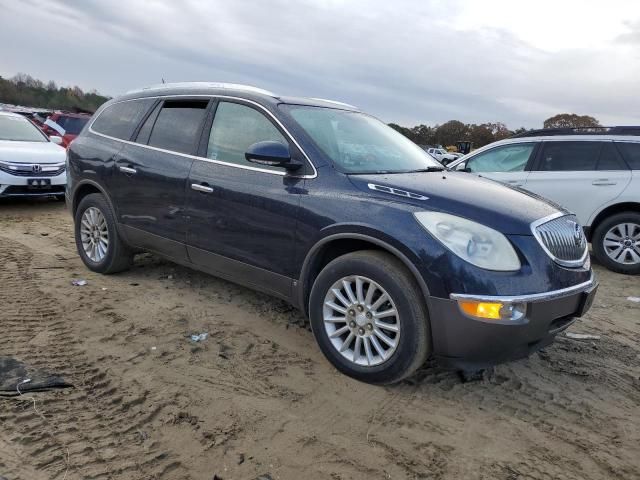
[56, 139]
[272, 154]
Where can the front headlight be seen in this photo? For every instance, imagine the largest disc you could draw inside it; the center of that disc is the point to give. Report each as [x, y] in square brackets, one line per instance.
[477, 244]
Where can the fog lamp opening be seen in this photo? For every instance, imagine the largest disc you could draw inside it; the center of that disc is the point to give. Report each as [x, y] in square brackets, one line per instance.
[493, 310]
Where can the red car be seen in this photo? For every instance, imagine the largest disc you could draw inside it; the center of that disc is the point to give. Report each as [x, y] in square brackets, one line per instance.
[65, 125]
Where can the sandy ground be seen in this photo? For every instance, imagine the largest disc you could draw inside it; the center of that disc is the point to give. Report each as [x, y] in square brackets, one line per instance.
[258, 400]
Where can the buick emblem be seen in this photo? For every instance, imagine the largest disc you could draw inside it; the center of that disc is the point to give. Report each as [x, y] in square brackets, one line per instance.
[577, 234]
[36, 168]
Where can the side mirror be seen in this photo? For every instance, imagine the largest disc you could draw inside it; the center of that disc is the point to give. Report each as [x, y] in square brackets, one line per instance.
[273, 154]
[56, 139]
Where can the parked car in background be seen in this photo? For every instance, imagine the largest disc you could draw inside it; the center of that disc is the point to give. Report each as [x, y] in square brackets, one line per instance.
[31, 164]
[442, 155]
[593, 172]
[393, 258]
[65, 125]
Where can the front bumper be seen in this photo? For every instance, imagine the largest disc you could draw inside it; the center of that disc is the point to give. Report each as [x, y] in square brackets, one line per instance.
[14, 186]
[470, 343]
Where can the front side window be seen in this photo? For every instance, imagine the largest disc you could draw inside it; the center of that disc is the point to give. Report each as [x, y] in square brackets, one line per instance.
[18, 129]
[235, 128]
[569, 156]
[358, 143]
[507, 158]
[631, 153]
[178, 125]
[120, 119]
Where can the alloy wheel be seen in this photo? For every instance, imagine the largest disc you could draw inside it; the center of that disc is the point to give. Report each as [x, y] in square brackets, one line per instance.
[94, 234]
[361, 320]
[622, 243]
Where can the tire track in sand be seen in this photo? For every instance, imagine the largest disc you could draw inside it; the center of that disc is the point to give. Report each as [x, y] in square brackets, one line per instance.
[91, 431]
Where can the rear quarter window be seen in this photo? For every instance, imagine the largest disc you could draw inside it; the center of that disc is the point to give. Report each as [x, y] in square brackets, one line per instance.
[121, 119]
[631, 153]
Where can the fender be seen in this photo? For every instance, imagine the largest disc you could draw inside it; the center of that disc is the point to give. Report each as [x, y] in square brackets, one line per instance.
[300, 292]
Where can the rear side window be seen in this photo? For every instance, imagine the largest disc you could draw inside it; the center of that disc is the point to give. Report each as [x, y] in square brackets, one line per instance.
[569, 156]
[177, 127]
[235, 128]
[507, 158]
[121, 119]
[610, 158]
[631, 153]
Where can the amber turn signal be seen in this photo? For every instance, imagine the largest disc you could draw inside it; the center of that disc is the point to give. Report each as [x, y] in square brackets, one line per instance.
[482, 309]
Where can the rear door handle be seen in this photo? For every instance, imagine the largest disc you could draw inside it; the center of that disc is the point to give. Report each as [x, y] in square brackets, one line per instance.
[603, 181]
[198, 187]
[128, 170]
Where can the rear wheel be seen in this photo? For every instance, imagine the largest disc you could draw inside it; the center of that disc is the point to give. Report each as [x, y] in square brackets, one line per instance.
[369, 317]
[97, 240]
[616, 243]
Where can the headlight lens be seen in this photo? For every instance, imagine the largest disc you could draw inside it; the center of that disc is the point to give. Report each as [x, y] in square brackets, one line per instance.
[477, 244]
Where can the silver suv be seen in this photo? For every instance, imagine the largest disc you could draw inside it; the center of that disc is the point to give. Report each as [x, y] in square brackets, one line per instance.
[594, 172]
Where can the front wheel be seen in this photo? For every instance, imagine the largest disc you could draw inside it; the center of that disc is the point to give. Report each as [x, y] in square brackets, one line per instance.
[369, 317]
[616, 243]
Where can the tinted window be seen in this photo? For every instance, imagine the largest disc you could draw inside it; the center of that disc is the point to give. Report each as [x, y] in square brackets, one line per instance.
[177, 127]
[610, 158]
[508, 158]
[569, 156]
[145, 130]
[235, 128]
[120, 119]
[631, 153]
[72, 125]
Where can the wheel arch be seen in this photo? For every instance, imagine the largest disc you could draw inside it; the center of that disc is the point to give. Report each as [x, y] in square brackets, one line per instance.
[84, 188]
[611, 210]
[335, 245]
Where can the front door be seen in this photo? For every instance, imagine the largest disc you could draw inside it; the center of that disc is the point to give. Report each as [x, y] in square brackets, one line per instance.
[242, 216]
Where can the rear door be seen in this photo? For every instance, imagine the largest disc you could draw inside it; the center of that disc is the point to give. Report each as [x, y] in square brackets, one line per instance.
[504, 163]
[151, 174]
[242, 216]
[579, 175]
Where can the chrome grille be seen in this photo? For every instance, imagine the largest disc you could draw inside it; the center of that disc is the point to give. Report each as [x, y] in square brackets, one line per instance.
[28, 170]
[563, 239]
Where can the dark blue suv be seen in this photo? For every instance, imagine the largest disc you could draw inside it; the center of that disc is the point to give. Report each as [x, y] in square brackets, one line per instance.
[393, 259]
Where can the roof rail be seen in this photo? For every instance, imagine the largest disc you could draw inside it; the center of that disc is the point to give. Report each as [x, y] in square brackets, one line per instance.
[334, 101]
[230, 86]
[549, 132]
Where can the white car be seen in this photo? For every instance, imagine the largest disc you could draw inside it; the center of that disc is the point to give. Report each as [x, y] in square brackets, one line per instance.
[442, 155]
[594, 173]
[31, 164]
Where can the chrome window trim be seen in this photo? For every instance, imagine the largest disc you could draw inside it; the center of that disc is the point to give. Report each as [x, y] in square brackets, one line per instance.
[534, 297]
[564, 263]
[209, 160]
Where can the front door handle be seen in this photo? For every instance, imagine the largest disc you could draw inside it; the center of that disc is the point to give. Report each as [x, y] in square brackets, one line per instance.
[128, 170]
[603, 181]
[203, 188]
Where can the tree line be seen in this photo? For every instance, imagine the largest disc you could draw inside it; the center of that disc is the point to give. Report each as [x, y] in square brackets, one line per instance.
[23, 89]
[454, 131]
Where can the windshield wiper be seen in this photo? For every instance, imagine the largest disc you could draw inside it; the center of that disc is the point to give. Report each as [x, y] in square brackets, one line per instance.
[428, 169]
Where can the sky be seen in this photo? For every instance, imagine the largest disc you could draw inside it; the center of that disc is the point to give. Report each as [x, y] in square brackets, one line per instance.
[407, 62]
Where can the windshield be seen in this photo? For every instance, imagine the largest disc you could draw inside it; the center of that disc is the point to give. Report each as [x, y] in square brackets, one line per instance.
[358, 143]
[72, 125]
[18, 129]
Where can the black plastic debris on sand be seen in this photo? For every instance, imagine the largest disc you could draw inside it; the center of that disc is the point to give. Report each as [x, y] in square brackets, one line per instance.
[17, 378]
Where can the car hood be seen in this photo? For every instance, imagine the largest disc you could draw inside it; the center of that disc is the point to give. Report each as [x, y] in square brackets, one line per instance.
[508, 210]
[31, 152]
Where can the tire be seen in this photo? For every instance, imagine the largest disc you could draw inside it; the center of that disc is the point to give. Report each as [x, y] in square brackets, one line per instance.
[112, 257]
[623, 227]
[383, 272]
